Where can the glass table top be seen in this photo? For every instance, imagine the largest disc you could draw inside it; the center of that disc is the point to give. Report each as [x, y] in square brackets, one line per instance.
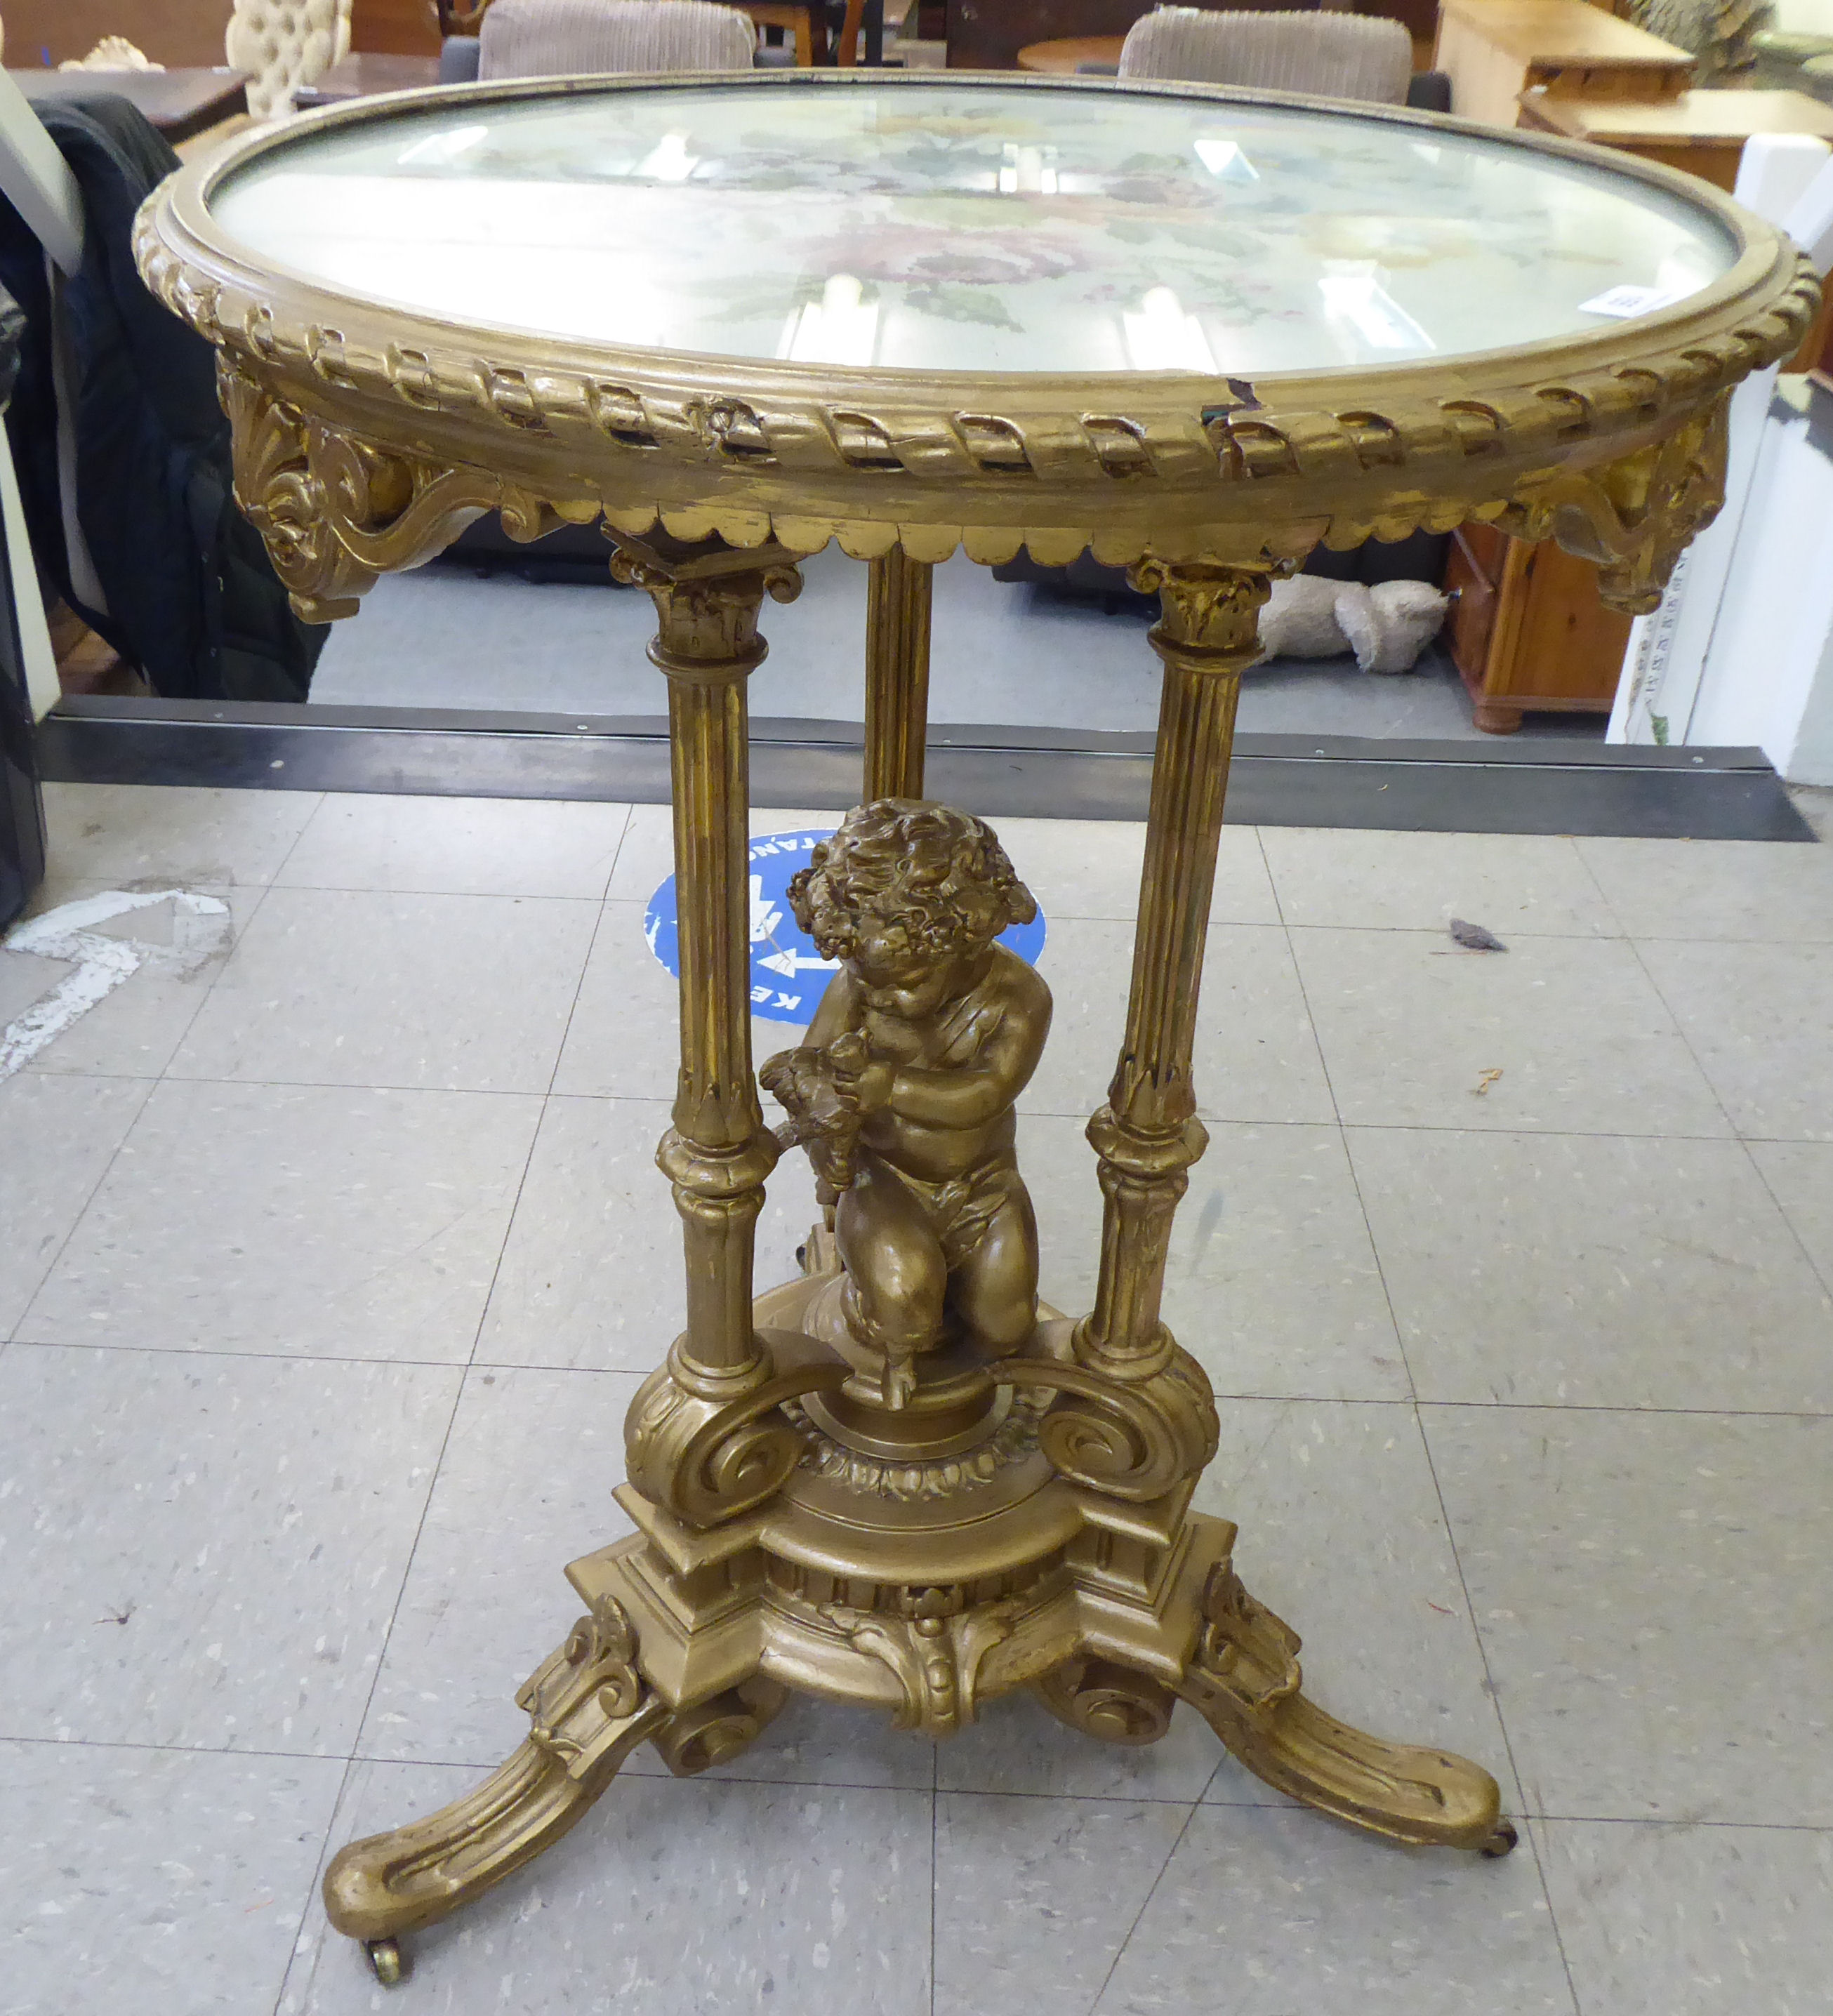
[976, 229]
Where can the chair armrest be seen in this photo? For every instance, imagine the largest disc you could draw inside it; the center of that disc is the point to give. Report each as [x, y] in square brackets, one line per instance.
[458, 59]
[1429, 91]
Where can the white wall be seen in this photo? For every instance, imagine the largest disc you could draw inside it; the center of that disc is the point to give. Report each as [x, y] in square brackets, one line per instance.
[1768, 676]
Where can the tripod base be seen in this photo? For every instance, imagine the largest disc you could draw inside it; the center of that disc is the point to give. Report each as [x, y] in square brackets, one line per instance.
[923, 1586]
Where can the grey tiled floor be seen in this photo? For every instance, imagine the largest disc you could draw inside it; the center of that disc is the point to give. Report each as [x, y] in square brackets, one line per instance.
[331, 1260]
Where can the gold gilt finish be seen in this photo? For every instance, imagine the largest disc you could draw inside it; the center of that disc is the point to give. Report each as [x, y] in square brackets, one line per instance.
[903, 1479]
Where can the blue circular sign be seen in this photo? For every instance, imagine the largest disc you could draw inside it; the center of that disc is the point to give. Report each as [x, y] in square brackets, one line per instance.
[787, 973]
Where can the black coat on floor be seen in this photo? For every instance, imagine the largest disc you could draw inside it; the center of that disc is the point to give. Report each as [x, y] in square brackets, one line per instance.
[192, 599]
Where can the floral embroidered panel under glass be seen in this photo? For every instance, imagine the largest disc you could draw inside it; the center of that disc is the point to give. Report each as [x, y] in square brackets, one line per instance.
[952, 227]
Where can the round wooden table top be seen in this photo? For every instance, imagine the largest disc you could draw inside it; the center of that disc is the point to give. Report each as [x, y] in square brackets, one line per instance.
[1063, 56]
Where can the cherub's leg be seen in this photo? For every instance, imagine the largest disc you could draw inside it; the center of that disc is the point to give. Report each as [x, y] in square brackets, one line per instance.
[995, 1289]
[894, 1264]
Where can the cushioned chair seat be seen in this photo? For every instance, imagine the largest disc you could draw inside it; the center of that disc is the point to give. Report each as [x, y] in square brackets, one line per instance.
[562, 37]
[1327, 55]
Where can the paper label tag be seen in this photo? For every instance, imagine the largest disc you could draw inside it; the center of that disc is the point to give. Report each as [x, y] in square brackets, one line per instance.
[1627, 301]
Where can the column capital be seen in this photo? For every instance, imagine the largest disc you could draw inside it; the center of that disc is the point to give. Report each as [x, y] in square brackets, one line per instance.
[1209, 610]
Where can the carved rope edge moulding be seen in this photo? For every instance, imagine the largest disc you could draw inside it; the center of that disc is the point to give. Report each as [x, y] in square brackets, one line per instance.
[763, 453]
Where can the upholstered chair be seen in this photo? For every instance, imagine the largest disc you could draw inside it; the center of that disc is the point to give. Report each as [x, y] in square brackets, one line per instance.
[282, 43]
[556, 37]
[1327, 54]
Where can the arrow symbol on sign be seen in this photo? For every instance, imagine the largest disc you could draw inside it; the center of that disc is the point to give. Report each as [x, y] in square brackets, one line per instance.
[790, 964]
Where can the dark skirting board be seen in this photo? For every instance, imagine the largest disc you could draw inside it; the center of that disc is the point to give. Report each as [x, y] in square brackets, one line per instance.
[1521, 786]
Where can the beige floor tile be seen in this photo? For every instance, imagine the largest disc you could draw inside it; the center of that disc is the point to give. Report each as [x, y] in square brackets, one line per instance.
[1256, 1058]
[295, 1220]
[1272, 1284]
[1594, 1271]
[1410, 1027]
[1757, 1017]
[673, 1898]
[470, 993]
[1342, 1535]
[1277, 1911]
[1091, 868]
[1035, 1898]
[1716, 888]
[1519, 885]
[203, 1552]
[1715, 1921]
[591, 1274]
[1655, 1596]
[1800, 1177]
[155, 1879]
[133, 1031]
[474, 846]
[57, 1136]
[624, 1041]
[118, 834]
[524, 1487]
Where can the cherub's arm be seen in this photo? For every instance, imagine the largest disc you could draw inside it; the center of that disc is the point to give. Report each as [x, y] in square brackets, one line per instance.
[835, 1014]
[970, 1096]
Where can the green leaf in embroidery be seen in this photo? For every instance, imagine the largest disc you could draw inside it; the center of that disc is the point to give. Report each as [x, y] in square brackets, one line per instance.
[951, 301]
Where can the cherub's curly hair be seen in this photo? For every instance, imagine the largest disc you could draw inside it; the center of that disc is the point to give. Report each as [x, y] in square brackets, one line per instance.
[938, 876]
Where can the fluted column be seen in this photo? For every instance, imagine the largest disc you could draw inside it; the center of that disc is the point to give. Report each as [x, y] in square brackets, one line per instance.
[718, 1151]
[896, 674]
[1147, 1135]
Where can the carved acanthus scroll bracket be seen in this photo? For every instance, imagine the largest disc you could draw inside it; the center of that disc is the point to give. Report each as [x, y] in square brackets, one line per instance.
[1634, 517]
[336, 513]
[1132, 1438]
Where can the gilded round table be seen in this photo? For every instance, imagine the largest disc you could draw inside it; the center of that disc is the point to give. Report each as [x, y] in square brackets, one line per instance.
[1194, 331]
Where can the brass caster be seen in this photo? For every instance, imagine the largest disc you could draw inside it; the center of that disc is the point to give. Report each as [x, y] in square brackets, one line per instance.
[387, 1965]
[1502, 1839]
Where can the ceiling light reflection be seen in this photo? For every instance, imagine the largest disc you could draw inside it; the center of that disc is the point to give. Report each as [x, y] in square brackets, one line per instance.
[1160, 335]
[439, 150]
[841, 328]
[1225, 161]
[668, 160]
[1377, 319]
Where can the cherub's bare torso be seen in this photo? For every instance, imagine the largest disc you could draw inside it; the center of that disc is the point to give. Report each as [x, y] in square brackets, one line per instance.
[955, 1072]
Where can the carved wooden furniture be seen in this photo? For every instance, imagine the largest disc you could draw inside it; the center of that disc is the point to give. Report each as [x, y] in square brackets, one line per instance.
[1702, 132]
[916, 1486]
[1528, 630]
[1494, 50]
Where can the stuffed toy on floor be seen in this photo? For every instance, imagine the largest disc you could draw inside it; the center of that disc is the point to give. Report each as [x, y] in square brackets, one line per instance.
[1386, 626]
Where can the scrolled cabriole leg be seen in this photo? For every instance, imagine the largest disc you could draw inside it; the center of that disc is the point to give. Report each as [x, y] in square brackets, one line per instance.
[589, 1707]
[1244, 1680]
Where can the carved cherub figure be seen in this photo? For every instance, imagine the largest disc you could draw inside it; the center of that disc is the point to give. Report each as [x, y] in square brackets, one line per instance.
[903, 1093]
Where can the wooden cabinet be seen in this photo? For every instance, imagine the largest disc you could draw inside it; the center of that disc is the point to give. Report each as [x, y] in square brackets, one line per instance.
[1494, 50]
[1701, 131]
[1527, 630]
